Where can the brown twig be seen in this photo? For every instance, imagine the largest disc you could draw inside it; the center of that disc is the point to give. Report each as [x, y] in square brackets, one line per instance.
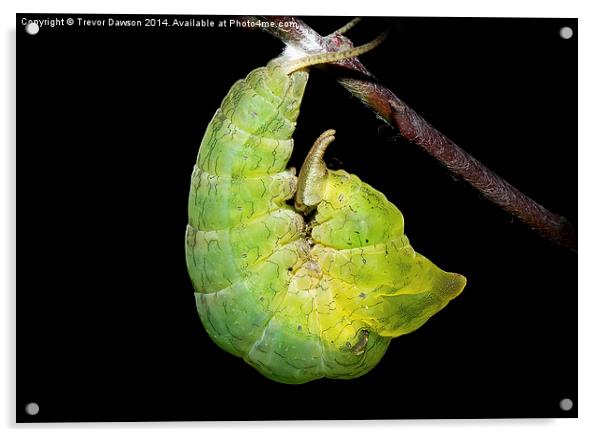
[415, 129]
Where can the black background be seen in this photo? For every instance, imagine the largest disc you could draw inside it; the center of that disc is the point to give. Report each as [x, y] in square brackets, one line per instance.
[109, 123]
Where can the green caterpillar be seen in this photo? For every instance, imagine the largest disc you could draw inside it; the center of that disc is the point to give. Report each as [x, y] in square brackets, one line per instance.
[298, 301]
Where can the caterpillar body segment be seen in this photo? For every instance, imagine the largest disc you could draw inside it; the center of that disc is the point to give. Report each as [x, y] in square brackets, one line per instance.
[360, 243]
[242, 238]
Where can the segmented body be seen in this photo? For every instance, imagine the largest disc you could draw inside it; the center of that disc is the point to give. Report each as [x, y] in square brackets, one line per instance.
[297, 301]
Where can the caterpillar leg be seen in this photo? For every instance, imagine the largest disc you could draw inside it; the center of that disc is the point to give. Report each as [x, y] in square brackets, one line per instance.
[313, 174]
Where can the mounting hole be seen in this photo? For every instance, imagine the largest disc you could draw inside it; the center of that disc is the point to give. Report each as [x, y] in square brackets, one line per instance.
[566, 32]
[566, 404]
[32, 28]
[32, 408]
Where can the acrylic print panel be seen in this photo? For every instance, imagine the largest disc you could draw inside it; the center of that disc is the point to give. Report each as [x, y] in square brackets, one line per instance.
[110, 119]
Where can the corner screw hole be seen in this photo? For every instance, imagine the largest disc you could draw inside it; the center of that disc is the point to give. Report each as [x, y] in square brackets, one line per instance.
[32, 408]
[32, 28]
[566, 404]
[566, 33]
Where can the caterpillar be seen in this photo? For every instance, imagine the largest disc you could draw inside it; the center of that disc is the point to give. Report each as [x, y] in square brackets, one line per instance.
[304, 277]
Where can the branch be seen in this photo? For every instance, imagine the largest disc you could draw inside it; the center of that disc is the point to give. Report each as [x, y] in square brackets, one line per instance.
[359, 82]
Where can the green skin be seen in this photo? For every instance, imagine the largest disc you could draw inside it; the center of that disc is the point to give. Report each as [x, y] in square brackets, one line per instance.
[297, 301]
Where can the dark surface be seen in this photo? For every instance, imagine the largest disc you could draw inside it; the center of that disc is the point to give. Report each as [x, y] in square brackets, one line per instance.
[109, 123]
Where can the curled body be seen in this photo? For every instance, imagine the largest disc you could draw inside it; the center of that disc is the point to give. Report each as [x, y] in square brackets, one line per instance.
[297, 298]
